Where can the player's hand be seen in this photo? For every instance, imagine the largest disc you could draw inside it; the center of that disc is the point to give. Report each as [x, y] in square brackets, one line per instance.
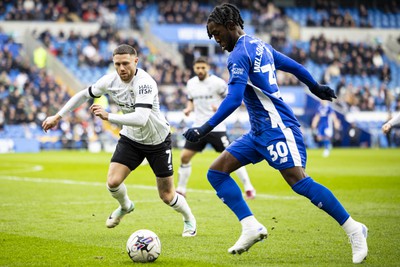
[99, 111]
[50, 122]
[386, 128]
[324, 92]
[195, 134]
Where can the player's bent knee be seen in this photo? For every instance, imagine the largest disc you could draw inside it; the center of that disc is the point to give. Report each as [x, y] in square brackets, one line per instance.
[185, 159]
[113, 182]
[166, 197]
[216, 177]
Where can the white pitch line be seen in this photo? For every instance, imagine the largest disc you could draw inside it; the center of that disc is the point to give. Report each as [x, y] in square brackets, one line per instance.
[68, 203]
[145, 187]
[25, 168]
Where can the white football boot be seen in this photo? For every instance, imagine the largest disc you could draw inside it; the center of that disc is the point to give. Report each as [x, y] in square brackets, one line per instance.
[359, 245]
[117, 215]
[248, 238]
[189, 228]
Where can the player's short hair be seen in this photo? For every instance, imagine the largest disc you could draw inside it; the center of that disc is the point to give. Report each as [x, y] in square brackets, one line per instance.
[124, 49]
[201, 60]
[224, 13]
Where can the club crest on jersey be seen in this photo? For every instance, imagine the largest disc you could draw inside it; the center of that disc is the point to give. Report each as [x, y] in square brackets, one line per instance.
[145, 89]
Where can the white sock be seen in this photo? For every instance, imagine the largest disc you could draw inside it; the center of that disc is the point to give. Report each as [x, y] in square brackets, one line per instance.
[249, 222]
[120, 194]
[184, 172]
[244, 177]
[179, 204]
[350, 226]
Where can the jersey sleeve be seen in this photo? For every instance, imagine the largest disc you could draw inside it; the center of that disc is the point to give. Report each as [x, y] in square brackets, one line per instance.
[232, 101]
[145, 91]
[285, 63]
[99, 88]
[239, 65]
[188, 90]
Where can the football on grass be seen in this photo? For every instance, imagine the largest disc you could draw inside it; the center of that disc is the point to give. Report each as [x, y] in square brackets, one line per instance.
[143, 246]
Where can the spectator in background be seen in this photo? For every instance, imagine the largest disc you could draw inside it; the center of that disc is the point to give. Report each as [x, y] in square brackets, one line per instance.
[354, 134]
[332, 71]
[363, 15]
[377, 59]
[385, 74]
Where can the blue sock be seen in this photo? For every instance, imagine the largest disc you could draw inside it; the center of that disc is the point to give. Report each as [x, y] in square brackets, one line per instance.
[229, 192]
[321, 197]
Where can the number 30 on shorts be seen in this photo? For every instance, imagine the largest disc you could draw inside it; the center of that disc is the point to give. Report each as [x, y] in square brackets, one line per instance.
[277, 150]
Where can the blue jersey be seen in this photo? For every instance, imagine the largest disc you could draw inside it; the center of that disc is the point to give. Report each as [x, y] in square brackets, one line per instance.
[325, 123]
[275, 135]
[252, 66]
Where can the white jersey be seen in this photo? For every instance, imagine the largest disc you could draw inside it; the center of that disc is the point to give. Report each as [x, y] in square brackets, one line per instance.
[206, 94]
[141, 91]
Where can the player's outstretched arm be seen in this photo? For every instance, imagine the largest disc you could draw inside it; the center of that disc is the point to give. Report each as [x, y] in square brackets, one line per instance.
[75, 101]
[138, 118]
[323, 91]
[285, 63]
[50, 122]
[232, 101]
[386, 128]
[195, 134]
[392, 122]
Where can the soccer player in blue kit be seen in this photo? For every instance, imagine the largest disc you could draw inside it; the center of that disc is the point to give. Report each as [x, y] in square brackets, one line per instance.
[323, 124]
[275, 134]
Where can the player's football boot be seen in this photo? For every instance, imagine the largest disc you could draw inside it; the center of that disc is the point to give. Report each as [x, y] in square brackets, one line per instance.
[359, 245]
[117, 215]
[251, 194]
[248, 238]
[189, 228]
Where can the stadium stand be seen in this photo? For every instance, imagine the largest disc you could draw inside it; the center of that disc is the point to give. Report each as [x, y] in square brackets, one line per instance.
[364, 73]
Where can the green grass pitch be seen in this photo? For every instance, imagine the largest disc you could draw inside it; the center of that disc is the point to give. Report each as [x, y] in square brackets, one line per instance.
[54, 205]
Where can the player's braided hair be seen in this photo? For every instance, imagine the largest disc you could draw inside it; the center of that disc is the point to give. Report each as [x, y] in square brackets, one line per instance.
[124, 49]
[223, 13]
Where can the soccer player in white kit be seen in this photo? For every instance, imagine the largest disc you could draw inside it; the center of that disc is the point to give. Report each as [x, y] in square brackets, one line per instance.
[145, 133]
[392, 122]
[205, 93]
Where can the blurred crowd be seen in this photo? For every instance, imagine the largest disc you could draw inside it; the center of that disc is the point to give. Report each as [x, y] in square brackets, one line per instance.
[108, 11]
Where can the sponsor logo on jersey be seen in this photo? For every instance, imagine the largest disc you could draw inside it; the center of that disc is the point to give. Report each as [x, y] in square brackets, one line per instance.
[237, 71]
[203, 97]
[145, 89]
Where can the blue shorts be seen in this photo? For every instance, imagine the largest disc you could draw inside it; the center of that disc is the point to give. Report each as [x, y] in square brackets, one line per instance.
[282, 149]
[325, 132]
